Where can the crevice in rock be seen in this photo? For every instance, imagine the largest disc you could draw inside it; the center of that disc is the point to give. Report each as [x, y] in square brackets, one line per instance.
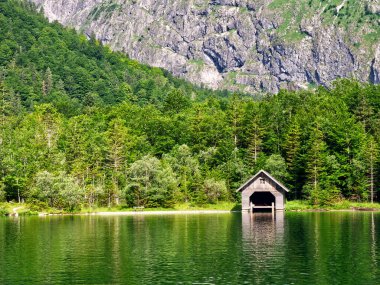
[309, 77]
[317, 77]
[215, 58]
[374, 74]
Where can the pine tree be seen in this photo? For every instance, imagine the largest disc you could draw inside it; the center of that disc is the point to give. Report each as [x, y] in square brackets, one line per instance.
[364, 111]
[256, 140]
[50, 123]
[372, 156]
[118, 143]
[9, 103]
[316, 161]
[292, 148]
[3, 103]
[47, 82]
[235, 118]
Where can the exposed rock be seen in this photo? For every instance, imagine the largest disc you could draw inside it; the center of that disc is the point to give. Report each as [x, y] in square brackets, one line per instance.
[375, 68]
[373, 6]
[220, 43]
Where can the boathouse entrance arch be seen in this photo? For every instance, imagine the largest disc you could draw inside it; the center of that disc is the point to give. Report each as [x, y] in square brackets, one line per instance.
[262, 199]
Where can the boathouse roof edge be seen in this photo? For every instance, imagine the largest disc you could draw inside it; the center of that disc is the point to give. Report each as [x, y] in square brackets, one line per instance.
[253, 178]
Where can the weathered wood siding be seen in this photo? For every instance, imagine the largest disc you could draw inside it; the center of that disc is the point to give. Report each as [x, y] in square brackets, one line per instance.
[268, 186]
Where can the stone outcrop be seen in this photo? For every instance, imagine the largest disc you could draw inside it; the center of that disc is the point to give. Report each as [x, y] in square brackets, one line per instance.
[229, 44]
[373, 6]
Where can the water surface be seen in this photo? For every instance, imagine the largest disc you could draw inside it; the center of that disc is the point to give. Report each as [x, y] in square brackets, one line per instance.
[298, 248]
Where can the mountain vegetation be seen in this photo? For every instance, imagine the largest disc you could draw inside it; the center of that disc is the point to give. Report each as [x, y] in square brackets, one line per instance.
[81, 125]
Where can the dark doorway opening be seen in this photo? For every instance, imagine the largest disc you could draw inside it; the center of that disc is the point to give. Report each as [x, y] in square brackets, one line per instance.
[262, 199]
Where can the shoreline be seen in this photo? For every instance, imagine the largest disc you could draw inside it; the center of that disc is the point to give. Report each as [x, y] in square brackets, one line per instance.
[194, 212]
[334, 210]
[142, 213]
[14, 209]
[189, 212]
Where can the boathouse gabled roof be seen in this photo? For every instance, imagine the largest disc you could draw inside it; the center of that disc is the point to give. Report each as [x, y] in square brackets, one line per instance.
[258, 174]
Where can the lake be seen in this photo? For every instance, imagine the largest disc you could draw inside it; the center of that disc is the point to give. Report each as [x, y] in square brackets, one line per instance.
[231, 248]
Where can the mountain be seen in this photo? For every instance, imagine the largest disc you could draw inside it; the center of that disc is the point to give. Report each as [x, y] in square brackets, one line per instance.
[237, 44]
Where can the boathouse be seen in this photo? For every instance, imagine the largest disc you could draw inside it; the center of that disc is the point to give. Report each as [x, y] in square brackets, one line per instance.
[262, 191]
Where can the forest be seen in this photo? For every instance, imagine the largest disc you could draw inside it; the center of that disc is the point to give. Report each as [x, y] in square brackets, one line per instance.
[82, 126]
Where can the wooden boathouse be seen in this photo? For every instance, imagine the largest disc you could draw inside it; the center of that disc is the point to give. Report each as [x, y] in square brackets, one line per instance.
[262, 191]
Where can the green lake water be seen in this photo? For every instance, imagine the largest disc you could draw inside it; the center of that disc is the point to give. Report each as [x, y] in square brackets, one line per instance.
[298, 248]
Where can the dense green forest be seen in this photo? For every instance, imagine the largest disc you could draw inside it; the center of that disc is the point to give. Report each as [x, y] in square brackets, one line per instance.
[83, 126]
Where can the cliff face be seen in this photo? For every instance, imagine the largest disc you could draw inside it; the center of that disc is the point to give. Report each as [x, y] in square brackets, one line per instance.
[236, 44]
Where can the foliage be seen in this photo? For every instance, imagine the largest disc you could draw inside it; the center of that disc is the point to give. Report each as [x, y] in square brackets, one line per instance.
[276, 165]
[214, 190]
[3, 211]
[2, 192]
[151, 183]
[59, 191]
[355, 17]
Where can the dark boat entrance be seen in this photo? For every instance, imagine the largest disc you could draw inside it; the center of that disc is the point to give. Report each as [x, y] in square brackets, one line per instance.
[262, 201]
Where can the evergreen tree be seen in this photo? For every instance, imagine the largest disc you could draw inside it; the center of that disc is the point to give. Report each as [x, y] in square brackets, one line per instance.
[47, 83]
[118, 144]
[292, 150]
[256, 141]
[364, 111]
[234, 113]
[315, 167]
[372, 157]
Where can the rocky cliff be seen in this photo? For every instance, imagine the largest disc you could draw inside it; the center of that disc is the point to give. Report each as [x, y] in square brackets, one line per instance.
[237, 44]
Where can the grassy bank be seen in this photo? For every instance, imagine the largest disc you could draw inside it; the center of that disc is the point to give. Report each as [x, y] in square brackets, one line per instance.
[226, 206]
[303, 205]
[21, 209]
[25, 209]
